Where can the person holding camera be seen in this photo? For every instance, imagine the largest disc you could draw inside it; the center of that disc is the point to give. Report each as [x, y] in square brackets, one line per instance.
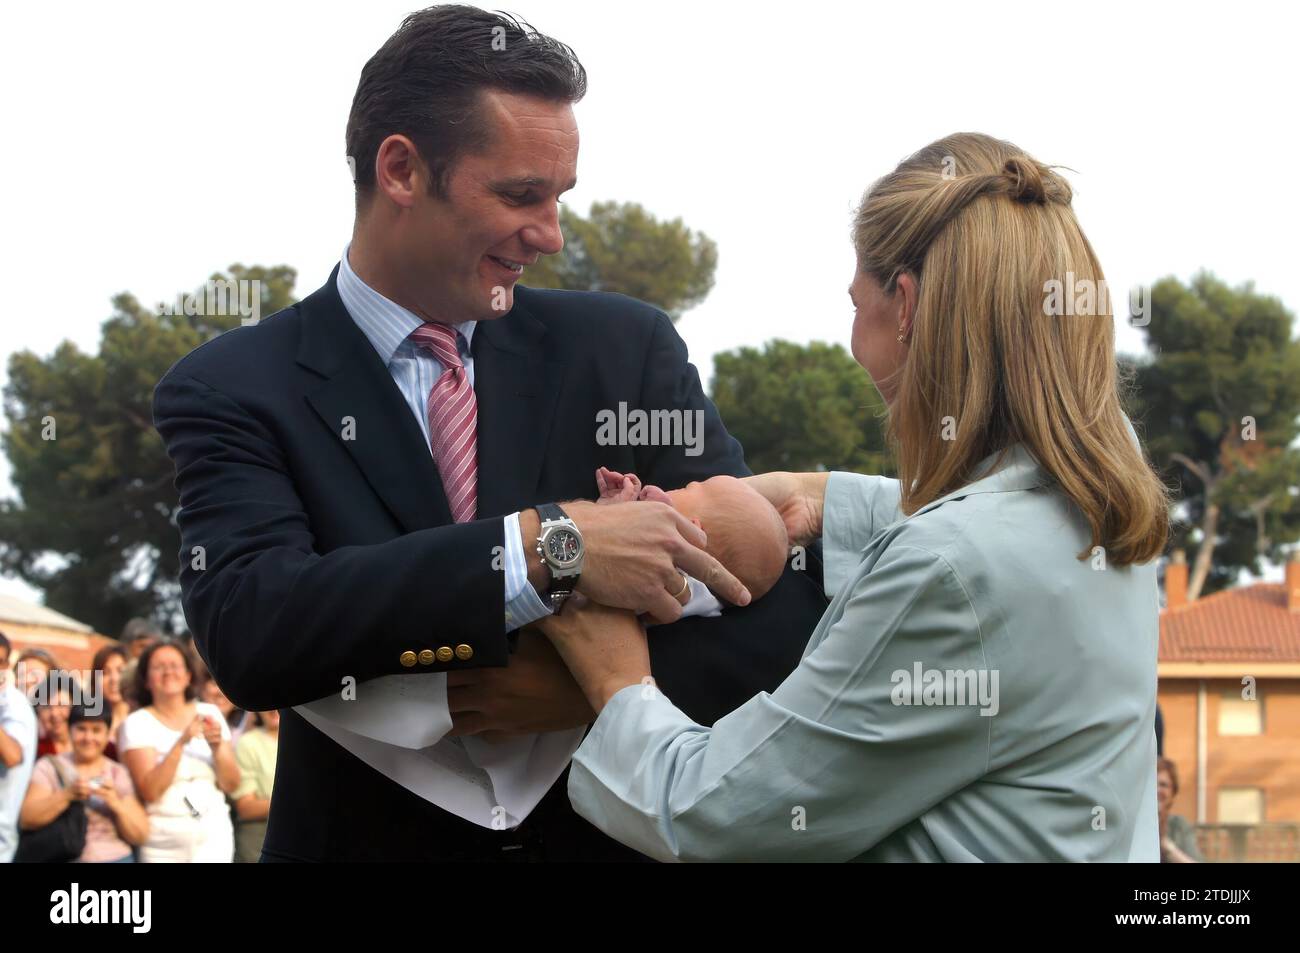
[88, 794]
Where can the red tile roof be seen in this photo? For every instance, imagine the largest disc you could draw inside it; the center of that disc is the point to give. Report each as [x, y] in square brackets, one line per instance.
[1246, 624]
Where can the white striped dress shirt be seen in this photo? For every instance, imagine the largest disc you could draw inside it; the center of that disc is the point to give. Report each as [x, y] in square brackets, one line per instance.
[388, 326]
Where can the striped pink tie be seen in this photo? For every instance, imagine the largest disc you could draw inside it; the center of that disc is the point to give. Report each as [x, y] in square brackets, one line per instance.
[453, 421]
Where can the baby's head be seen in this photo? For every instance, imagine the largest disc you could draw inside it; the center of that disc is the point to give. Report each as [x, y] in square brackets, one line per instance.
[746, 533]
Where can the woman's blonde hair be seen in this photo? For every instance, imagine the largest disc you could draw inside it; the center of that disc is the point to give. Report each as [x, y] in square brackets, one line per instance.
[997, 346]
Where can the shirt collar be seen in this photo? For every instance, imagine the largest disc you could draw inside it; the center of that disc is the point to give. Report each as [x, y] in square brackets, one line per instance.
[386, 324]
[1014, 468]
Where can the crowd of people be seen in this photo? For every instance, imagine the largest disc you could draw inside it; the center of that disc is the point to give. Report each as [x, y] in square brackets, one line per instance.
[142, 758]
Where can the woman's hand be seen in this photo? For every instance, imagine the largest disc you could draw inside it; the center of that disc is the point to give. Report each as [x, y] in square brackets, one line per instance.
[78, 790]
[798, 497]
[604, 648]
[108, 794]
[211, 731]
[191, 731]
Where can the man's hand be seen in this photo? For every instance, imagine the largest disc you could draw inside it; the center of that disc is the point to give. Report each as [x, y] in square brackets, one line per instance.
[634, 551]
[798, 497]
[534, 693]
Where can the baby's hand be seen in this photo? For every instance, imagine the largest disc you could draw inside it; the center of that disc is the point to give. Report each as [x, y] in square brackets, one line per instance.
[617, 487]
[655, 495]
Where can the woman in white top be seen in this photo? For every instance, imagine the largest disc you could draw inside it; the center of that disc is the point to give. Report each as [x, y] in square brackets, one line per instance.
[181, 759]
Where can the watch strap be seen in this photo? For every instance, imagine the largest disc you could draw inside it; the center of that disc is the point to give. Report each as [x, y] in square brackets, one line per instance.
[550, 511]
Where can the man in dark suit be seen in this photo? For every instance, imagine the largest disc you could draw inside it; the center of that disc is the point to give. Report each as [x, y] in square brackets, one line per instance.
[356, 471]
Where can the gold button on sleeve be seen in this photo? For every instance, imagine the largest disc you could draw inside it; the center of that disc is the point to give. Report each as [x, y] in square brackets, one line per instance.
[464, 652]
[426, 657]
[445, 653]
[407, 659]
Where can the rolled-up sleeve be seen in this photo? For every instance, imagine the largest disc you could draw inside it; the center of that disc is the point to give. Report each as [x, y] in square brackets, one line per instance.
[833, 761]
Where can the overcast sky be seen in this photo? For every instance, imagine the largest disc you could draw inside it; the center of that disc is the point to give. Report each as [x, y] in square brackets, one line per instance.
[149, 144]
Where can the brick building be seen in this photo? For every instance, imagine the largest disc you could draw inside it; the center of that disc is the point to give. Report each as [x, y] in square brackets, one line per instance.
[1229, 691]
[28, 625]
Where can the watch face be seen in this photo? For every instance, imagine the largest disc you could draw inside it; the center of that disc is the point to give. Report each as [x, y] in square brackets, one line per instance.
[562, 546]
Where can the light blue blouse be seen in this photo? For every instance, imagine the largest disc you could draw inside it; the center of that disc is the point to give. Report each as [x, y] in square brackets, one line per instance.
[973, 692]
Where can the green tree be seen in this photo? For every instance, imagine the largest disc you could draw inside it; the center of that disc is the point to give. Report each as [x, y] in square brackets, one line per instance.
[801, 407]
[621, 247]
[1218, 398]
[94, 524]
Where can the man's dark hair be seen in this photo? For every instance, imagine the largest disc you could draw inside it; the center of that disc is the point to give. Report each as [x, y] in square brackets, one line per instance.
[425, 81]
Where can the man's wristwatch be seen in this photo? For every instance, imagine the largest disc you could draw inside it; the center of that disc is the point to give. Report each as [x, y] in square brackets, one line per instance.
[561, 549]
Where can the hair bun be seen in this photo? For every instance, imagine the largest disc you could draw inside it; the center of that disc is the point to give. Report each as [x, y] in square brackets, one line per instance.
[1026, 180]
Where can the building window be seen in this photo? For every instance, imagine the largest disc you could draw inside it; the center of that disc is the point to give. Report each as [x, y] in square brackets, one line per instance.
[1241, 806]
[1240, 716]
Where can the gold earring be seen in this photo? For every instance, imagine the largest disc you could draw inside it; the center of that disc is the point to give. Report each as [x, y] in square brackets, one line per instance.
[901, 335]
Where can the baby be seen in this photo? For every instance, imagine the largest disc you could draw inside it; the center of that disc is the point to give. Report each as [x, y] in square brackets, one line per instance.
[746, 534]
[397, 723]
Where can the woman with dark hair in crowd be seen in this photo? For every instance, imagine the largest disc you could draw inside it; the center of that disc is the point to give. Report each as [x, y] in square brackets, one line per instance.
[115, 819]
[180, 757]
[53, 699]
[109, 662]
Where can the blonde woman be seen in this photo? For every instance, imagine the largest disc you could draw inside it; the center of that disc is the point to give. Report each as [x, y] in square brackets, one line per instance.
[982, 686]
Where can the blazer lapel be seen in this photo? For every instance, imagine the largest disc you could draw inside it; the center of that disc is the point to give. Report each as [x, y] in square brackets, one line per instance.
[362, 407]
[516, 385]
